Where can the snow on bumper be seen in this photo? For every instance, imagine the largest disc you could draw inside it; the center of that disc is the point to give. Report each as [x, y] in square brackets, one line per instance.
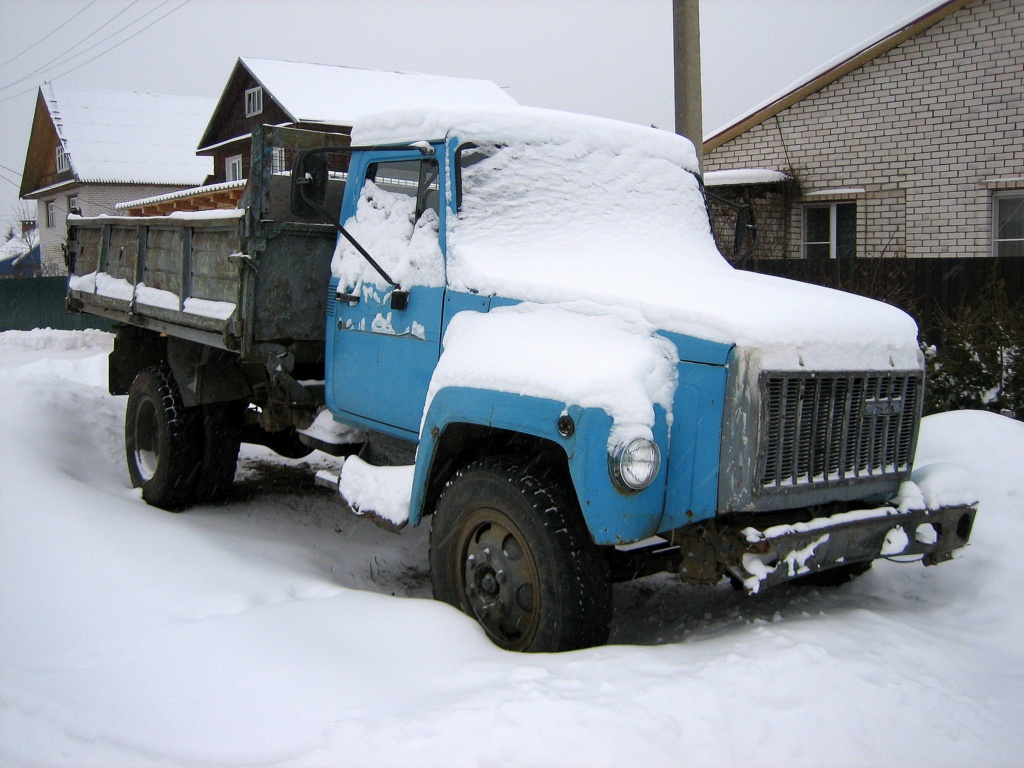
[765, 557]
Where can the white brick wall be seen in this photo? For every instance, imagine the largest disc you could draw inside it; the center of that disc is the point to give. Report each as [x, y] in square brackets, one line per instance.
[924, 130]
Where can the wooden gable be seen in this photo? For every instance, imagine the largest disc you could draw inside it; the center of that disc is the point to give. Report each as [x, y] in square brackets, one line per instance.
[40, 170]
[229, 121]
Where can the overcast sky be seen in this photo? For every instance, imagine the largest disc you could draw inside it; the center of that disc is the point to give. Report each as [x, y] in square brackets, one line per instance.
[602, 57]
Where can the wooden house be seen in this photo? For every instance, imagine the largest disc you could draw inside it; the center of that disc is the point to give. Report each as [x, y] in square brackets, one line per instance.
[322, 97]
[91, 149]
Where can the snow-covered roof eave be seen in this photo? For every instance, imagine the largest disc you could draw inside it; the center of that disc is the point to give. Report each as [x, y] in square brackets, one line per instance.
[832, 70]
[190, 192]
[744, 176]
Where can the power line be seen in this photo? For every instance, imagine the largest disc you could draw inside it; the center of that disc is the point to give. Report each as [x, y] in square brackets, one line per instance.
[103, 53]
[17, 173]
[44, 37]
[60, 58]
[61, 55]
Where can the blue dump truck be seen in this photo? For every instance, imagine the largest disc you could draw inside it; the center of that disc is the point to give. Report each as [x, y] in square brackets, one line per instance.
[519, 321]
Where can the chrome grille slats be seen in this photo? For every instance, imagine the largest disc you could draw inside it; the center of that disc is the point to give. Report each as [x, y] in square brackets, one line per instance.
[821, 429]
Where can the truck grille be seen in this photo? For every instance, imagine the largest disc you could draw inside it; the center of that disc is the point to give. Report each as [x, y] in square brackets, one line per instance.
[834, 428]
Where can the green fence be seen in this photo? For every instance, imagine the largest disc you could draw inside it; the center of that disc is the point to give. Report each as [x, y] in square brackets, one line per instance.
[38, 302]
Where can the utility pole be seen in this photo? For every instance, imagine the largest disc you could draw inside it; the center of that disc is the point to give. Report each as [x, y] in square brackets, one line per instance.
[689, 112]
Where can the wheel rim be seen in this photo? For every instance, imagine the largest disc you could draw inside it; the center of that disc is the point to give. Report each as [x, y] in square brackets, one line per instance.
[499, 578]
[146, 434]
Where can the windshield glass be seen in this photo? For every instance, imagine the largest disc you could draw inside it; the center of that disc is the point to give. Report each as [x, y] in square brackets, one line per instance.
[534, 216]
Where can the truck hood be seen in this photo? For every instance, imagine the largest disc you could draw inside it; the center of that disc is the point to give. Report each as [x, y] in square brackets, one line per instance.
[787, 324]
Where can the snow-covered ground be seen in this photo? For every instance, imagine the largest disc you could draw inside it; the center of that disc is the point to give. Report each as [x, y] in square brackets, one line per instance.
[281, 629]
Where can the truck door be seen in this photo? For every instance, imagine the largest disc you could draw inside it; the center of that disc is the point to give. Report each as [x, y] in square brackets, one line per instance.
[379, 356]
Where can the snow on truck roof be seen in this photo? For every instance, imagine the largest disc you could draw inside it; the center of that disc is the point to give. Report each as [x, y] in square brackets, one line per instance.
[530, 125]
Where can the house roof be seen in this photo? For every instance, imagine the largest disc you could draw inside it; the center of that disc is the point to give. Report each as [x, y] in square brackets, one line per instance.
[130, 138]
[838, 67]
[16, 249]
[337, 95]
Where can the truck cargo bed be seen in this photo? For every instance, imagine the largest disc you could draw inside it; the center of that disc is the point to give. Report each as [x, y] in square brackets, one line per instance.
[201, 276]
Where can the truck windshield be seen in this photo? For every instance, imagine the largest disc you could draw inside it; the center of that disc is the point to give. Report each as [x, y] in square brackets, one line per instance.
[556, 214]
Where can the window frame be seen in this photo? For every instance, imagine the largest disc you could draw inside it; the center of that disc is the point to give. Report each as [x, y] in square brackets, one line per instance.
[998, 199]
[51, 214]
[63, 159]
[278, 161]
[73, 203]
[833, 226]
[254, 101]
[231, 162]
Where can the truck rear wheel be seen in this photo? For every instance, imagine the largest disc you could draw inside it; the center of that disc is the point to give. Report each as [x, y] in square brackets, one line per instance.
[222, 437]
[162, 440]
[509, 547]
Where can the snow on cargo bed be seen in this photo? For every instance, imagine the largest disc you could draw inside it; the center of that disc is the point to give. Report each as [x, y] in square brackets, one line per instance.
[557, 207]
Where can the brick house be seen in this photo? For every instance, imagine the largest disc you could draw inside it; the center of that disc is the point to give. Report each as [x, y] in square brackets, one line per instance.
[912, 145]
[91, 149]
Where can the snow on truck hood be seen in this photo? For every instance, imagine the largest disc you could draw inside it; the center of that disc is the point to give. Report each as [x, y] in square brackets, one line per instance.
[567, 207]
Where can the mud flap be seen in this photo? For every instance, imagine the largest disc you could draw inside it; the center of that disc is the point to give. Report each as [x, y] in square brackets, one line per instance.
[765, 558]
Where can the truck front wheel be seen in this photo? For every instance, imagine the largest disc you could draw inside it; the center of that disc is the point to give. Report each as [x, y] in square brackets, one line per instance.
[509, 547]
[162, 440]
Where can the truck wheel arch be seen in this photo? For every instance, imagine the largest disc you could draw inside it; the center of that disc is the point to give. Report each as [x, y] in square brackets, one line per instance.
[462, 443]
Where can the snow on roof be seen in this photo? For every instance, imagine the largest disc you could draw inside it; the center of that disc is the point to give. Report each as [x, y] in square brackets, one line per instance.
[932, 11]
[122, 137]
[336, 95]
[191, 191]
[743, 176]
[531, 125]
[339, 95]
[16, 248]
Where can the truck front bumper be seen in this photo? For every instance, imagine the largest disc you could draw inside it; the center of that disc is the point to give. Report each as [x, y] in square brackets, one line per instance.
[764, 557]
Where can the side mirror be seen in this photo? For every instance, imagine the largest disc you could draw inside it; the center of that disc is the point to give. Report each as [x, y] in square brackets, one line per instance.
[309, 184]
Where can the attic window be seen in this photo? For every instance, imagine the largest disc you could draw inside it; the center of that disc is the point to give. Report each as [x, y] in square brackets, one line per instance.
[63, 159]
[253, 101]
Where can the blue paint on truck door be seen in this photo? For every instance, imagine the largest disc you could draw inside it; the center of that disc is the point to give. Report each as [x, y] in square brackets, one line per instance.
[379, 358]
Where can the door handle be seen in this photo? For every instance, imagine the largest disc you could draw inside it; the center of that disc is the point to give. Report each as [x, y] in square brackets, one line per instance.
[351, 298]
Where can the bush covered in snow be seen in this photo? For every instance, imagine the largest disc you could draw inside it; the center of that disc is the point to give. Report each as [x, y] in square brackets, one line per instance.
[977, 361]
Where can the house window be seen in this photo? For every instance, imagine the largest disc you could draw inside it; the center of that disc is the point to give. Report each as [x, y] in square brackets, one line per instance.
[51, 213]
[1008, 237]
[233, 168]
[73, 204]
[63, 159]
[277, 160]
[253, 101]
[830, 231]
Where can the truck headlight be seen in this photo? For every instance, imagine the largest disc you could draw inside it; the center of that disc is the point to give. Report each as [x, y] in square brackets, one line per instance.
[635, 464]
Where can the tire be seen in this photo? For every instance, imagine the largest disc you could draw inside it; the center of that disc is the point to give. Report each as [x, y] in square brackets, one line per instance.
[222, 436]
[833, 577]
[509, 547]
[162, 441]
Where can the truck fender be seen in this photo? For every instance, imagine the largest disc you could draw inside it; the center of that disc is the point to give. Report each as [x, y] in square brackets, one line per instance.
[463, 424]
